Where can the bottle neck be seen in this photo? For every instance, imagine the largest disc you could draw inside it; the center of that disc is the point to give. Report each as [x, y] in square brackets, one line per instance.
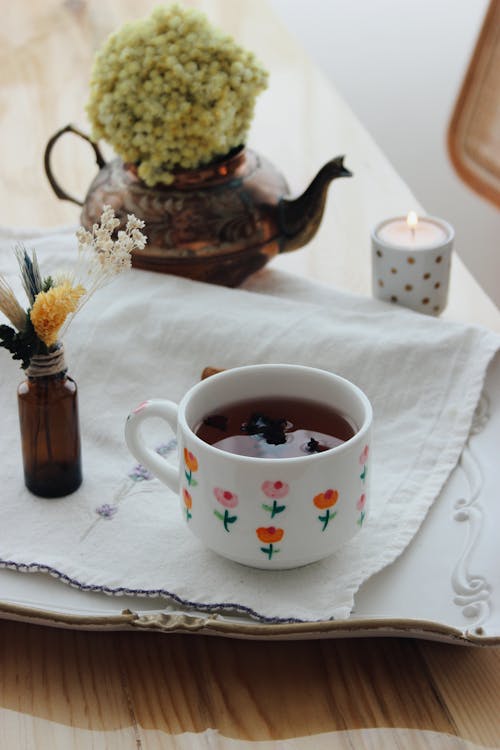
[47, 365]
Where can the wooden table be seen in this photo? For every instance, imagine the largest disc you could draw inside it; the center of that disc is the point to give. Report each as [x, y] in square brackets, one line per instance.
[64, 688]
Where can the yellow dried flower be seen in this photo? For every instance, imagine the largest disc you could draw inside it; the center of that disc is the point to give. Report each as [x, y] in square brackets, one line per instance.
[50, 310]
[170, 91]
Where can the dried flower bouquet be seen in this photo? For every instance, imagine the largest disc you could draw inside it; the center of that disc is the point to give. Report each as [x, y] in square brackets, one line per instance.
[170, 91]
[54, 300]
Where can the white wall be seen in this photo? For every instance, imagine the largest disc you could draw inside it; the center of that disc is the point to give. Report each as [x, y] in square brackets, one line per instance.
[399, 65]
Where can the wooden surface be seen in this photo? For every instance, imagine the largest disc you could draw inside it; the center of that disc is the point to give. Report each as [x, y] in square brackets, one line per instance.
[73, 689]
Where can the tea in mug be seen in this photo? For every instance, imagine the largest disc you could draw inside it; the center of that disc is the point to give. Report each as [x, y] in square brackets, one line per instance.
[276, 428]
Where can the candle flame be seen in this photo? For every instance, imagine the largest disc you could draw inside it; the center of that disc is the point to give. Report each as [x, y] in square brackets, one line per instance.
[412, 220]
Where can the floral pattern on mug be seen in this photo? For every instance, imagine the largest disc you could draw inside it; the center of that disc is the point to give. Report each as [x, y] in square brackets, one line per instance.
[270, 535]
[363, 459]
[191, 467]
[140, 407]
[188, 503]
[364, 455]
[276, 491]
[324, 501]
[228, 500]
[360, 505]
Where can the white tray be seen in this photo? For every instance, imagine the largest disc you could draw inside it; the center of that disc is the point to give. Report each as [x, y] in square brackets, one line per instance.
[446, 585]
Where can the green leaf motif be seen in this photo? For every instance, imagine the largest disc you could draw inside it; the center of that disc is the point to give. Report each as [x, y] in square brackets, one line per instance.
[273, 509]
[226, 518]
[361, 518]
[269, 551]
[327, 518]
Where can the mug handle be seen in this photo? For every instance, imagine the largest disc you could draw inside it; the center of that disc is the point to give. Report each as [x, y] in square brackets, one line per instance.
[166, 410]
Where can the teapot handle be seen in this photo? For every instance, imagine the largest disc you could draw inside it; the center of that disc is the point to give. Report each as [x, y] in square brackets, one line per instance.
[100, 161]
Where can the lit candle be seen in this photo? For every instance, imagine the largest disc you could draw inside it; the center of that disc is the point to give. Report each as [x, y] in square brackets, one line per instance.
[411, 261]
[414, 232]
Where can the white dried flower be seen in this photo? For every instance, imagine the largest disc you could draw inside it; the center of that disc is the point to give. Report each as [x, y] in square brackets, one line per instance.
[100, 257]
[103, 257]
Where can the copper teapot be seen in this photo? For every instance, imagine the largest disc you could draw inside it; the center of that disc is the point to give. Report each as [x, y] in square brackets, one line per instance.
[218, 223]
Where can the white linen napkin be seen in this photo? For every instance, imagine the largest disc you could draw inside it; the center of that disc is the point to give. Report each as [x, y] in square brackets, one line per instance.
[149, 336]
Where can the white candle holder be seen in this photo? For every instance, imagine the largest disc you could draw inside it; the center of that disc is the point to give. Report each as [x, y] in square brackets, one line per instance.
[412, 267]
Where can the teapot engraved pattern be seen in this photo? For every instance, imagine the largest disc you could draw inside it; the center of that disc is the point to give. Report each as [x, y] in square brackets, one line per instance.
[217, 223]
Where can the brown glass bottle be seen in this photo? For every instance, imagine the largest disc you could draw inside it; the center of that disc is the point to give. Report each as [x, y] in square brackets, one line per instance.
[50, 433]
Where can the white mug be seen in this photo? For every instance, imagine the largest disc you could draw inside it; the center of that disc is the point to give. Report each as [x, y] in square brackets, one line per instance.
[271, 513]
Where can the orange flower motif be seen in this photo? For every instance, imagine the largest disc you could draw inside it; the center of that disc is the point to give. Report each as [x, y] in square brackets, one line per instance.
[190, 460]
[269, 534]
[326, 499]
[188, 500]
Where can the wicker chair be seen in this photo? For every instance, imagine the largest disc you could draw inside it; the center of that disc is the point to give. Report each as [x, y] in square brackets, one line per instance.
[474, 129]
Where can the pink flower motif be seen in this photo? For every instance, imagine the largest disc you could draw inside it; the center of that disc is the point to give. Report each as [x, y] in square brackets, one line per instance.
[361, 502]
[364, 456]
[139, 408]
[275, 489]
[226, 498]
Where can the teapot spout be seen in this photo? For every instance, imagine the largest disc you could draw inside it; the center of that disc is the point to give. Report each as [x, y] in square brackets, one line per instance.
[299, 219]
